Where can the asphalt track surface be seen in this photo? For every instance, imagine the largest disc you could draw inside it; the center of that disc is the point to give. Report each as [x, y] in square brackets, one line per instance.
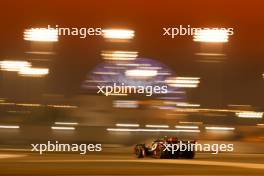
[28, 163]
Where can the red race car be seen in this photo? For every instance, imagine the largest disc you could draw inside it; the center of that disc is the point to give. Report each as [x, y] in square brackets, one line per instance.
[167, 147]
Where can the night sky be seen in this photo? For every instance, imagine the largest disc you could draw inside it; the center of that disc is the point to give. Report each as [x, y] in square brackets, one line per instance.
[240, 75]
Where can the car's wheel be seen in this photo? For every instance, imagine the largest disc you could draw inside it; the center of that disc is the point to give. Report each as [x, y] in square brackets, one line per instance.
[189, 155]
[176, 155]
[140, 152]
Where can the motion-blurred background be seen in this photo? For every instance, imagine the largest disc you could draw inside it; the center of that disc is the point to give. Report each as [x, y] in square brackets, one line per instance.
[215, 88]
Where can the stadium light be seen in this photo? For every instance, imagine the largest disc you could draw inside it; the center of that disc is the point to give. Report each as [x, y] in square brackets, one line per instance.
[141, 73]
[41, 34]
[34, 72]
[118, 34]
[249, 114]
[119, 55]
[186, 127]
[62, 128]
[65, 123]
[127, 125]
[150, 130]
[187, 82]
[8, 65]
[220, 128]
[9, 126]
[211, 35]
[157, 126]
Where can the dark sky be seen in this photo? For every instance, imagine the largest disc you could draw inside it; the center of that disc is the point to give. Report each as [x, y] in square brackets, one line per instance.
[241, 81]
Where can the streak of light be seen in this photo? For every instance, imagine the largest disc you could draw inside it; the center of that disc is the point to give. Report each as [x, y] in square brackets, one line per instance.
[209, 54]
[62, 128]
[33, 72]
[261, 125]
[157, 126]
[9, 126]
[188, 82]
[184, 122]
[150, 130]
[211, 35]
[127, 125]
[220, 128]
[12, 65]
[6, 103]
[141, 73]
[65, 123]
[186, 127]
[118, 34]
[28, 104]
[41, 35]
[119, 55]
[62, 106]
[105, 73]
[125, 104]
[249, 114]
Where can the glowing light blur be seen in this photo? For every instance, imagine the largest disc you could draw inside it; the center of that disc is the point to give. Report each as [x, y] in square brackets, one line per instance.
[8, 65]
[9, 126]
[118, 34]
[187, 82]
[66, 123]
[209, 54]
[157, 126]
[183, 85]
[105, 73]
[119, 55]
[62, 128]
[187, 105]
[211, 35]
[260, 125]
[133, 65]
[141, 73]
[239, 106]
[184, 122]
[41, 52]
[249, 114]
[125, 103]
[186, 127]
[6, 103]
[28, 104]
[127, 125]
[150, 130]
[34, 72]
[138, 72]
[177, 81]
[41, 34]
[220, 128]
[63, 106]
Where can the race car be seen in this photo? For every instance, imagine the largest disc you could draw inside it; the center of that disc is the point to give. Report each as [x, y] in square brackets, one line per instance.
[165, 148]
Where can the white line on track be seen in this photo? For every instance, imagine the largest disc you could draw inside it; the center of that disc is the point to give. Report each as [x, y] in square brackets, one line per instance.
[163, 161]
